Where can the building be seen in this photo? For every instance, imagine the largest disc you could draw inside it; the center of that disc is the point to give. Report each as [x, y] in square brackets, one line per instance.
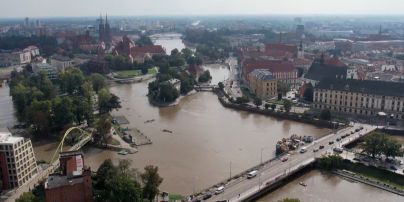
[17, 161]
[321, 69]
[360, 97]
[263, 84]
[104, 31]
[73, 183]
[283, 71]
[61, 62]
[32, 50]
[50, 70]
[9, 59]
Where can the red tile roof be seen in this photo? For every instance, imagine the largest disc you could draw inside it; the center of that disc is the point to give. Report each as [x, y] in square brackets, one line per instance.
[281, 47]
[152, 49]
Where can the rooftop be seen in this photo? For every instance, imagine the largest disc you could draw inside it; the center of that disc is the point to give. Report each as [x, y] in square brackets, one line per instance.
[55, 181]
[60, 58]
[8, 138]
[272, 65]
[363, 86]
[320, 70]
[262, 74]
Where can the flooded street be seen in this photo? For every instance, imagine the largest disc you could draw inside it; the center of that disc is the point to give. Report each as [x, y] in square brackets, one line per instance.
[323, 187]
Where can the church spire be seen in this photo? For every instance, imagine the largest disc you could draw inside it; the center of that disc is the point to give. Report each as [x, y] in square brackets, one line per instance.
[106, 18]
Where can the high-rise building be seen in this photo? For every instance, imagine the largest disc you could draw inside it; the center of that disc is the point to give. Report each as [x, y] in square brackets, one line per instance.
[26, 22]
[17, 160]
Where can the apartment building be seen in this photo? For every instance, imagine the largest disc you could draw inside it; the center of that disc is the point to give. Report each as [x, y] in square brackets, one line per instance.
[360, 97]
[17, 160]
[263, 83]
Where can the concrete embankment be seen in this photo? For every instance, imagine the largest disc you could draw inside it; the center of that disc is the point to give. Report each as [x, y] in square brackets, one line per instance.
[281, 115]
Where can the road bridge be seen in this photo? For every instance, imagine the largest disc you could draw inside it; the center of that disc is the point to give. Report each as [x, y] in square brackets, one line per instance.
[271, 172]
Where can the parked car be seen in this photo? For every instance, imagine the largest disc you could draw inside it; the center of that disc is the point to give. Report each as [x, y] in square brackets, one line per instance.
[219, 190]
[208, 195]
[285, 158]
[321, 147]
[338, 139]
[315, 150]
[338, 150]
[331, 142]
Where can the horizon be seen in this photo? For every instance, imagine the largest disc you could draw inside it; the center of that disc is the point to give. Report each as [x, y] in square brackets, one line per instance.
[77, 8]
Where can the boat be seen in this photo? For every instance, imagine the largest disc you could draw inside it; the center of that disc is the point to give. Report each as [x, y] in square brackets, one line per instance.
[167, 131]
[303, 184]
[123, 152]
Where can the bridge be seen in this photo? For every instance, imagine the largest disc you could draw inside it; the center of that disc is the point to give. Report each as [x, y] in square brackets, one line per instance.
[274, 171]
[85, 137]
[205, 87]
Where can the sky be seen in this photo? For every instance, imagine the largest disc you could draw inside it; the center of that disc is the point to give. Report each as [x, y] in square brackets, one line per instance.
[65, 8]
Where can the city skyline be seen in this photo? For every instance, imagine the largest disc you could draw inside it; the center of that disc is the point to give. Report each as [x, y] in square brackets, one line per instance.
[76, 8]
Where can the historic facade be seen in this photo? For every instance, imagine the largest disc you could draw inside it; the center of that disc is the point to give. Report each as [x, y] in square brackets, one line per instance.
[360, 97]
[263, 84]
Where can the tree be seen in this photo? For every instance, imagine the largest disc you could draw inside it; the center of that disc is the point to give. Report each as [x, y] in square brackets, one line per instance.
[273, 107]
[151, 181]
[257, 102]
[287, 104]
[205, 77]
[98, 82]
[374, 144]
[283, 87]
[71, 81]
[392, 148]
[62, 111]
[221, 85]
[107, 101]
[267, 106]
[325, 114]
[103, 127]
[330, 162]
[39, 114]
[27, 197]
[144, 41]
[242, 100]
[187, 85]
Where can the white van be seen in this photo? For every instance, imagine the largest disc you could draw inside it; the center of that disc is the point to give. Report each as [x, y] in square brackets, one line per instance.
[302, 150]
[252, 174]
[219, 190]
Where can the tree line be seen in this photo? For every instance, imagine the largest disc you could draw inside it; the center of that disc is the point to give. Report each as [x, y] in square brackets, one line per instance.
[50, 105]
[377, 144]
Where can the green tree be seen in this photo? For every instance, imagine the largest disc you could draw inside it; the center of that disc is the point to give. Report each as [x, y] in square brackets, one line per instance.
[62, 111]
[267, 106]
[71, 81]
[330, 162]
[27, 197]
[144, 41]
[103, 127]
[151, 181]
[205, 77]
[374, 144]
[242, 100]
[98, 82]
[187, 85]
[82, 110]
[287, 104]
[392, 148]
[39, 114]
[325, 114]
[283, 87]
[257, 102]
[21, 99]
[107, 101]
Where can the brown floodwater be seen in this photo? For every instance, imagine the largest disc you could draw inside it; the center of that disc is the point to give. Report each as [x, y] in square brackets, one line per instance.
[206, 138]
[323, 187]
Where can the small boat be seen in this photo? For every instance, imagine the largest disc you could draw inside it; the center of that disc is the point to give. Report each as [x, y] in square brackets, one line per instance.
[303, 184]
[123, 152]
[167, 131]
[149, 121]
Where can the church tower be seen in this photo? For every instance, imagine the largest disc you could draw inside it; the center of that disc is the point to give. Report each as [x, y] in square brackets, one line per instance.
[300, 50]
[101, 29]
[107, 34]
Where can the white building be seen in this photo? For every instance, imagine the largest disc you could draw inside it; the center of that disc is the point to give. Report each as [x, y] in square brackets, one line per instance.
[17, 160]
[61, 62]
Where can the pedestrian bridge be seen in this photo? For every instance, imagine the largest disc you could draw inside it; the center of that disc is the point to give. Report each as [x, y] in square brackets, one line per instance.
[274, 171]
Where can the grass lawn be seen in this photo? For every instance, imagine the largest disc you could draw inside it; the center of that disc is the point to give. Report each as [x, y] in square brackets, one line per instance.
[176, 197]
[132, 73]
[376, 173]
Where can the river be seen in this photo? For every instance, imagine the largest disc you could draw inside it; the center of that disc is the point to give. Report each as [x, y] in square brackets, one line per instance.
[207, 142]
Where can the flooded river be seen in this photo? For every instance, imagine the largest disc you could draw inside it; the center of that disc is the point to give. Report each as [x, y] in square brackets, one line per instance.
[323, 187]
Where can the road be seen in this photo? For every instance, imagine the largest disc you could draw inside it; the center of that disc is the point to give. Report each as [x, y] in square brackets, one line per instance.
[243, 188]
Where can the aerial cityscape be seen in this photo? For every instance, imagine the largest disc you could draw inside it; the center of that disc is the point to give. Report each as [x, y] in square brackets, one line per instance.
[131, 100]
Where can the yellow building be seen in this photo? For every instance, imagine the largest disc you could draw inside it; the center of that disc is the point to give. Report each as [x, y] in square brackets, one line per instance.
[263, 84]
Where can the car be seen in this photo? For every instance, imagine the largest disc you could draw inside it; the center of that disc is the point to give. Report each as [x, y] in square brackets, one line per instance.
[393, 168]
[208, 195]
[361, 128]
[219, 190]
[321, 147]
[315, 150]
[285, 158]
[357, 130]
[331, 142]
[303, 150]
[338, 150]
[343, 136]
[352, 132]
[252, 174]
[338, 139]
[348, 134]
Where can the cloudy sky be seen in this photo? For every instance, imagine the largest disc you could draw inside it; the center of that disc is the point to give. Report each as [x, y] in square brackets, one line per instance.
[46, 8]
